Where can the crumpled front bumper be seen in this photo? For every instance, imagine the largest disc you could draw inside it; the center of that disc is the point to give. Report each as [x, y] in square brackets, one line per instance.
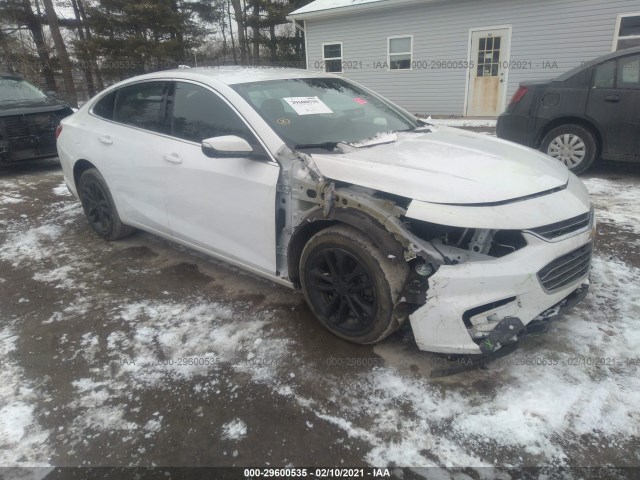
[466, 302]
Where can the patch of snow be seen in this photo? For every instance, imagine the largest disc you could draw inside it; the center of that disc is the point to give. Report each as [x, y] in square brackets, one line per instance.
[318, 5]
[31, 245]
[236, 429]
[384, 137]
[22, 439]
[464, 122]
[59, 276]
[154, 425]
[617, 202]
[11, 198]
[62, 190]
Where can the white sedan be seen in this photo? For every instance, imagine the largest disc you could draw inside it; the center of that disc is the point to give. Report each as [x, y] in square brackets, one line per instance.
[318, 183]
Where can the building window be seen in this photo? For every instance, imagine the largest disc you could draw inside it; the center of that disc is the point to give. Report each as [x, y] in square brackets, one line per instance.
[489, 56]
[332, 57]
[627, 31]
[400, 53]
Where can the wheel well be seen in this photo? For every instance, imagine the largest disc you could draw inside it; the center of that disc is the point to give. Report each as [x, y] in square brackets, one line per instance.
[313, 224]
[79, 168]
[300, 238]
[575, 121]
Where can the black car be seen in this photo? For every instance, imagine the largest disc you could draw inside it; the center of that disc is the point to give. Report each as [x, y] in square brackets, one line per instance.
[589, 112]
[28, 120]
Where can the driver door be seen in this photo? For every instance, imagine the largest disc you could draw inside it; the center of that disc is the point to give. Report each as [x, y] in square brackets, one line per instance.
[225, 205]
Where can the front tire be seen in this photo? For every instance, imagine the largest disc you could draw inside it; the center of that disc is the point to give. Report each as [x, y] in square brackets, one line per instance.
[573, 145]
[350, 285]
[99, 207]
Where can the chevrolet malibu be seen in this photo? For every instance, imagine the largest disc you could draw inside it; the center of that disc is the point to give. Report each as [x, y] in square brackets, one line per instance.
[319, 184]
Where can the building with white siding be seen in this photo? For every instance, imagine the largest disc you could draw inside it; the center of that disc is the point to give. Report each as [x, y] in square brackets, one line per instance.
[460, 57]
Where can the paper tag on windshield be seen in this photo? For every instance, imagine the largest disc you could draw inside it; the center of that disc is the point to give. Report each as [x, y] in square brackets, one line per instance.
[307, 105]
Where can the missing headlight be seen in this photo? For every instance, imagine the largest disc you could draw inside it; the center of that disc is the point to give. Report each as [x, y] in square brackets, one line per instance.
[494, 243]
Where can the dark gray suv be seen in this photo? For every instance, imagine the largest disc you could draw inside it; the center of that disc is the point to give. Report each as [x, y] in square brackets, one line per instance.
[28, 120]
[592, 111]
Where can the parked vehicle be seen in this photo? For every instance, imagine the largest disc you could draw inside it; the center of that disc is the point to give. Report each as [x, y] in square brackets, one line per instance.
[316, 182]
[28, 120]
[586, 113]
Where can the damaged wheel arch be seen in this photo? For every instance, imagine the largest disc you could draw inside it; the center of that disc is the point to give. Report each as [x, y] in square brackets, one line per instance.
[316, 221]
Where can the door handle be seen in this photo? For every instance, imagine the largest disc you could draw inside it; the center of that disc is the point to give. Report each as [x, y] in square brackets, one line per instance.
[106, 140]
[612, 98]
[172, 158]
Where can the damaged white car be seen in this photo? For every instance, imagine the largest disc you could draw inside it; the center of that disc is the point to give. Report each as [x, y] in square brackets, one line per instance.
[317, 183]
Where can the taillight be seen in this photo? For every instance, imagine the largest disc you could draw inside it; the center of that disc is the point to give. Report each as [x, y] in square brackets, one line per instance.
[58, 131]
[521, 92]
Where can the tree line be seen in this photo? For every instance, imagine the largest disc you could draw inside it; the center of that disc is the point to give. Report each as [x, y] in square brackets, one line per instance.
[77, 47]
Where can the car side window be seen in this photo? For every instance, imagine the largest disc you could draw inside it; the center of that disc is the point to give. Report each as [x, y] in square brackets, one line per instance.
[629, 72]
[199, 113]
[104, 107]
[142, 105]
[605, 75]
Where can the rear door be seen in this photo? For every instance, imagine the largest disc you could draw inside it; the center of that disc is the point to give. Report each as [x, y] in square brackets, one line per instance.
[614, 104]
[128, 150]
[225, 205]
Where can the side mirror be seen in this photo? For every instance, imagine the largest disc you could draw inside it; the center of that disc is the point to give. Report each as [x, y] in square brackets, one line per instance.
[226, 146]
[51, 93]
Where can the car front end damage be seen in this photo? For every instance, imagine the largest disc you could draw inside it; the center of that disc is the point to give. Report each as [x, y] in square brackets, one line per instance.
[481, 275]
[29, 133]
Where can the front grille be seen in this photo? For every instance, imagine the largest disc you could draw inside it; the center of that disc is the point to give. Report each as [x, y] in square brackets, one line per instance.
[29, 125]
[565, 227]
[30, 135]
[567, 269]
[15, 127]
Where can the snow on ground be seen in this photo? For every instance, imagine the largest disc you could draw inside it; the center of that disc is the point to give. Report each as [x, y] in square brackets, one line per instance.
[617, 202]
[585, 393]
[538, 409]
[236, 429]
[62, 190]
[22, 438]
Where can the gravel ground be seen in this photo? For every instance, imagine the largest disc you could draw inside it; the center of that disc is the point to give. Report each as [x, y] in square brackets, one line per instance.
[142, 353]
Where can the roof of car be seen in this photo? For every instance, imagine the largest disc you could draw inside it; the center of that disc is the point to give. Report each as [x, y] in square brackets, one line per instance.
[600, 59]
[242, 74]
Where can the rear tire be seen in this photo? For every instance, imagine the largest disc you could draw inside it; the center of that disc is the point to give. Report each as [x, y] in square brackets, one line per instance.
[350, 285]
[99, 207]
[573, 145]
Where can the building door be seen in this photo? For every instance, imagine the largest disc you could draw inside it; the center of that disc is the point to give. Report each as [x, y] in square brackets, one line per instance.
[489, 55]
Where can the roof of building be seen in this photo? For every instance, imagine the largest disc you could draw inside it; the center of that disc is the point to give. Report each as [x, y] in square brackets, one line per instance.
[321, 8]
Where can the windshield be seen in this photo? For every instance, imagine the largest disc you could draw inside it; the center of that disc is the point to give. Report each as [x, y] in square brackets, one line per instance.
[13, 90]
[322, 111]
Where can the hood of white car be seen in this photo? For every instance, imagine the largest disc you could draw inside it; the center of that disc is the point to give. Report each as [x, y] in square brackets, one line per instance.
[446, 165]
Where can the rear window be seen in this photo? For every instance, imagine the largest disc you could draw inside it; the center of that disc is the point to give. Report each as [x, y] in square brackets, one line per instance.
[629, 72]
[142, 105]
[104, 107]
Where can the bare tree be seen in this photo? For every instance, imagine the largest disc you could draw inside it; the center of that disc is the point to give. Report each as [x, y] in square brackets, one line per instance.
[61, 49]
[255, 30]
[237, 11]
[24, 14]
[86, 63]
[233, 42]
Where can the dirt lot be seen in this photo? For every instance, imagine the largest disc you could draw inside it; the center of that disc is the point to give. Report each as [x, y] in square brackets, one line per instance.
[140, 352]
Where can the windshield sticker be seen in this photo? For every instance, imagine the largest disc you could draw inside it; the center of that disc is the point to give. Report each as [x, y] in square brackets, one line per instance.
[360, 100]
[307, 105]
